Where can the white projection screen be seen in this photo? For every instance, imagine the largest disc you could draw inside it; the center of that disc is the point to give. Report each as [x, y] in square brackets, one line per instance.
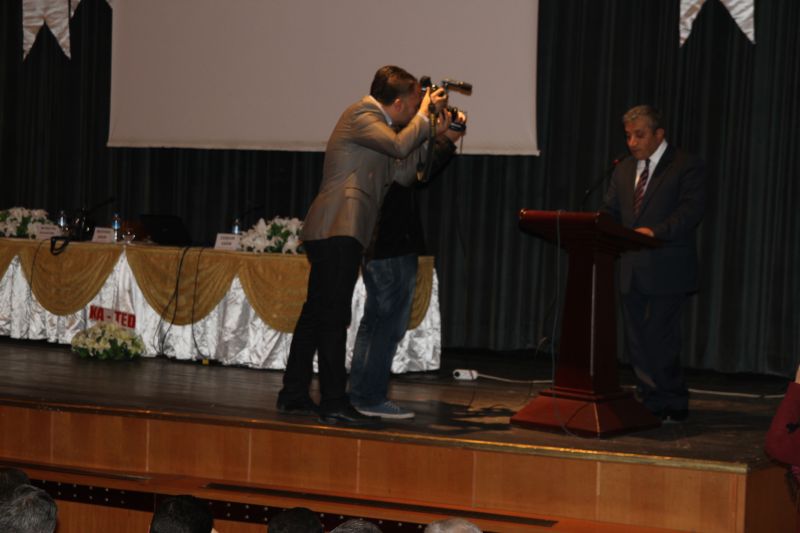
[276, 74]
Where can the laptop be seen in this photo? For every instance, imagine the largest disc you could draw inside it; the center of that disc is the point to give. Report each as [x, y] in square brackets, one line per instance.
[168, 230]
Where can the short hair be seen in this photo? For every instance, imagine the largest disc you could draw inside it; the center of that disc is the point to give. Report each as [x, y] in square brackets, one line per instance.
[182, 514]
[28, 509]
[11, 478]
[356, 525]
[452, 525]
[391, 82]
[649, 112]
[295, 520]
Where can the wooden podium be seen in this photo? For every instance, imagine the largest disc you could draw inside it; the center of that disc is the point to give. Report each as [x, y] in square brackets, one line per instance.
[586, 397]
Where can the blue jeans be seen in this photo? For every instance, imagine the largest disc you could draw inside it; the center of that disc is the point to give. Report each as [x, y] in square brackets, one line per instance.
[390, 289]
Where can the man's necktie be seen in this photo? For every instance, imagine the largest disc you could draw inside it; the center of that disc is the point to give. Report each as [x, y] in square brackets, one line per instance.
[638, 192]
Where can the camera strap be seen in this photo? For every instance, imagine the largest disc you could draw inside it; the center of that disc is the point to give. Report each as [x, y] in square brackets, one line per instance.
[424, 167]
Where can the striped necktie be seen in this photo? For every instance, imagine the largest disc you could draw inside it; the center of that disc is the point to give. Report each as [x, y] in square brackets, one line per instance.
[638, 193]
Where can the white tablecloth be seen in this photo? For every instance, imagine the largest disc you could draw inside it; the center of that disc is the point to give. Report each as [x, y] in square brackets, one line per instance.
[232, 333]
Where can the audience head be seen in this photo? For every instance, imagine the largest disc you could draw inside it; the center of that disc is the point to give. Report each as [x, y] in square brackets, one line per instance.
[28, 509]
[11, 478]
[182, 514]
[452, 525]
[356, 525]
[296, 520]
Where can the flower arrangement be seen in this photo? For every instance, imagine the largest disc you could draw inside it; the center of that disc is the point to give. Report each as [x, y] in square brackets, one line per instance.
[279, 235]
[108, 340]
[21, 222]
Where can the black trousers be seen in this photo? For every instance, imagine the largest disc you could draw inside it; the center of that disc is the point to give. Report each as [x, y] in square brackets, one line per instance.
[653, 335]
[323, 322]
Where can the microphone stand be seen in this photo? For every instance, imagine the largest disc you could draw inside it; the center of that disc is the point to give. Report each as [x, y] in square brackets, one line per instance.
[596, 183]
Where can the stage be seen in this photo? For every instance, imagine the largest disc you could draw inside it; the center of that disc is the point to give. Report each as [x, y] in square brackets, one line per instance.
[108, 439]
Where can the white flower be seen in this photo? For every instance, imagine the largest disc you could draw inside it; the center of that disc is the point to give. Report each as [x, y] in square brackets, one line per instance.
[11, 227]
[17, 213]
[260, 227]
[20, 222]
[33, 229]
[292, 243]
[294, 225]
[278, 235]
[98, 340]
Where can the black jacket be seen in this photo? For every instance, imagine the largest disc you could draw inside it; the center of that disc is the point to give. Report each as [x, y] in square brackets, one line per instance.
[399, 229]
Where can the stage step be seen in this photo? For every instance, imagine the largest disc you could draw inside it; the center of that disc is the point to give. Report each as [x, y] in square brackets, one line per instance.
[95, 500]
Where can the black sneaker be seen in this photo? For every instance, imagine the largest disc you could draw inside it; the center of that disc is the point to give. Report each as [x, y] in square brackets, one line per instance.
[347, 416]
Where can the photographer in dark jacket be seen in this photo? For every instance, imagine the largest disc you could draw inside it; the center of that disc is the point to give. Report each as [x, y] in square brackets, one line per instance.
[390, 272]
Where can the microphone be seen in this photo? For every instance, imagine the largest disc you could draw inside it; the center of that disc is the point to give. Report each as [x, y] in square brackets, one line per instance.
[461, 86]
[614, 162]
[95, 207]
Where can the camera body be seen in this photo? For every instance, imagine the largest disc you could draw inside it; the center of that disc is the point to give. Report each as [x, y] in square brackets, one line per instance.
[464, 87]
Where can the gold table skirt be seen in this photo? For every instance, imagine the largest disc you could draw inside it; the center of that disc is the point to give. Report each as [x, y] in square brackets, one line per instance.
[182, 285]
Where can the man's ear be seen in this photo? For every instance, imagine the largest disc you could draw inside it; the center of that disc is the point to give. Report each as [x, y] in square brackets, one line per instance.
[660, 133]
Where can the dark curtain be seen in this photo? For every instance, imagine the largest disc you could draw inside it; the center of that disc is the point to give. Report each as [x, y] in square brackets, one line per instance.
[732, 102]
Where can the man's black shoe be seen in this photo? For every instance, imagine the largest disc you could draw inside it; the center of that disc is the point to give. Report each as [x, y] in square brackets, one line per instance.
[348, 417]
[303, 408]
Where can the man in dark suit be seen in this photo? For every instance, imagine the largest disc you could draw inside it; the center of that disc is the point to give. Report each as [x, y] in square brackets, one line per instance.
[659, 192]
[376, 141]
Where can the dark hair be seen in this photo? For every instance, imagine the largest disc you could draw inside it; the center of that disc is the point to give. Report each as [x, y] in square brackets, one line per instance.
[28, 509]
[182, 514]
[649, 112]
[295, 520]
[356, 525]
[390, 83]
[452, 525]
[11, 478]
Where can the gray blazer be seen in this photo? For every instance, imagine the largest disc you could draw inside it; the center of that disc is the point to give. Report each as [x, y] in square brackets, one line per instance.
[363, 156]
[673, 206]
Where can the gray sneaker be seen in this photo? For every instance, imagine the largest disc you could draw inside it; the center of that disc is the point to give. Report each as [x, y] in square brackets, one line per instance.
[387, 409]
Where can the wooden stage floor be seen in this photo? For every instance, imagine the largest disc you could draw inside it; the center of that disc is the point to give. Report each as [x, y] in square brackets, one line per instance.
[724, 433]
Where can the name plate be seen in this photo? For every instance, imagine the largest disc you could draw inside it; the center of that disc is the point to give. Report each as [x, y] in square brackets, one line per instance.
[227, 241]
[103, 235]
[46, 231]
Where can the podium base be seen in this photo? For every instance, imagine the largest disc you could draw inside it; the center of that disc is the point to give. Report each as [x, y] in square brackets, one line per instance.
[585, 414]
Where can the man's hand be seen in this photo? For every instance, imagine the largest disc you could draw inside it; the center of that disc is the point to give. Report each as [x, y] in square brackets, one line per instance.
[442, 122]
[645, 231]
[452, 134]
[438, 98]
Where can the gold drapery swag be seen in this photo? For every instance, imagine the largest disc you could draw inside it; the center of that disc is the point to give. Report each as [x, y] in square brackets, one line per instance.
[275, 284]
[65, 283]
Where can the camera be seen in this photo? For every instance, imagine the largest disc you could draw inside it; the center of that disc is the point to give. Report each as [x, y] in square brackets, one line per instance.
[447, 85]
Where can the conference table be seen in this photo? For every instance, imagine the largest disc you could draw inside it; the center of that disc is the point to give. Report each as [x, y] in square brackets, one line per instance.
[237, 308]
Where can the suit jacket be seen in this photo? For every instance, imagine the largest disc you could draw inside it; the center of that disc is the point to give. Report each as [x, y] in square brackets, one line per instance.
[363, 157]
[672, 207]
[783, 437]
